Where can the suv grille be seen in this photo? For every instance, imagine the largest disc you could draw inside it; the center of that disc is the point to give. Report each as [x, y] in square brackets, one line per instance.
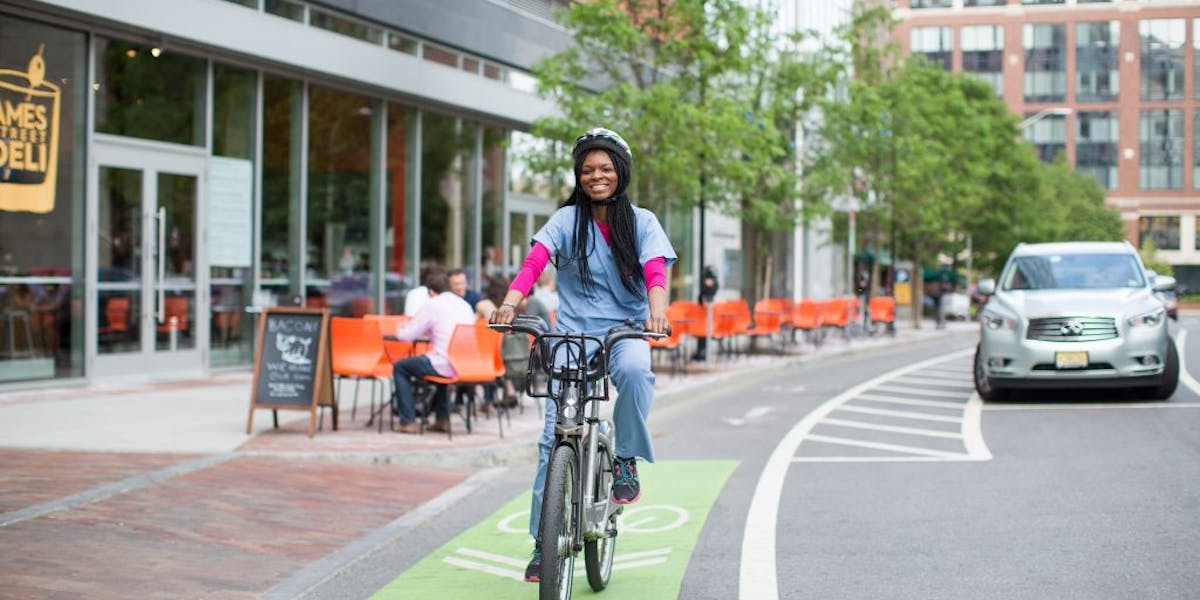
[1072, 329]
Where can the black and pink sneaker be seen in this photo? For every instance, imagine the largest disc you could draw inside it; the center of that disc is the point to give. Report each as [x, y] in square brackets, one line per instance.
[626, 488]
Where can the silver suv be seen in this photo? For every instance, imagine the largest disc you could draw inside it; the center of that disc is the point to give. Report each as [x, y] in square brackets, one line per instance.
[1075, 315]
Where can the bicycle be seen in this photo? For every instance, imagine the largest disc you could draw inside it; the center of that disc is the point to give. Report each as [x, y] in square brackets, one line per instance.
[581, 457]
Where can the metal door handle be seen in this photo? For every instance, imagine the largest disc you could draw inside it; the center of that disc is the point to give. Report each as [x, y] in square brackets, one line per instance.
[162, 263]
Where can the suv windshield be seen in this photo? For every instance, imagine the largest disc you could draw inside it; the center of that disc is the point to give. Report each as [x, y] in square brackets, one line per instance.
[1073, 271]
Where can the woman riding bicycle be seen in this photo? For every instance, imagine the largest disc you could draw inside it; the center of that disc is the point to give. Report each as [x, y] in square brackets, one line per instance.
[611, 259]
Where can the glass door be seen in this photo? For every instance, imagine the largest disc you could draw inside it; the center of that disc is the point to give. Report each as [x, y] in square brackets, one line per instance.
[149, 303]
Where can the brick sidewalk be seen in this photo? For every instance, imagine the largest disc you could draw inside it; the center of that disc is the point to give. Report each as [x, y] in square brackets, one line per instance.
[230, 530]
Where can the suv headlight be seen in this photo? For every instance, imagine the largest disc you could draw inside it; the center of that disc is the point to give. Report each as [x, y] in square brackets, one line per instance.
[1151, 318]
[993, 320]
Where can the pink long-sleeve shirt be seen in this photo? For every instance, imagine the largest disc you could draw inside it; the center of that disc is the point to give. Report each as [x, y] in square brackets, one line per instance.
[654, 271]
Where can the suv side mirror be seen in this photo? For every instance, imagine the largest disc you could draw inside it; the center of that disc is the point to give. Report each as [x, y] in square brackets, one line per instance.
[1163, 283]
[987, 287]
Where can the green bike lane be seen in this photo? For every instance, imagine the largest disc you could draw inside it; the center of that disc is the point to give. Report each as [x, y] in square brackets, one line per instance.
[656, 539]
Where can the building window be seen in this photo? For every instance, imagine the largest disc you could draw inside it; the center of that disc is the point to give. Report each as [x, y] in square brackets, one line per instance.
[1048, 136]
[1164, 231]
[337, 24]
[399, 247]
[1097, 48]
[283, 117]
[341, 192]
[42, 201]
[286, 9]
[1162, 59]
[1096, 136]
[931, 3]
[1196, 150]
[447, 203]
[1045, 63]
[936, 44]
[1043, 2]
[983, 54]
[984, 2]
[1196, 56]
[149, 93]
[1161, 137]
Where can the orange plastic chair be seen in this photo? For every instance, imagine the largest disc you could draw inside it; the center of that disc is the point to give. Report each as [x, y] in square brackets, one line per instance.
[882, 310]
[474, 352]
[769, 314]
[357, 347]
[677, 316]
[116, 312]
[175, 309]
[393, 350]
[836, 313]
[806, 317]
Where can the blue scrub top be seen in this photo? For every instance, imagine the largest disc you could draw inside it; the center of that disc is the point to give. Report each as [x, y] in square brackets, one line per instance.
[608, 304]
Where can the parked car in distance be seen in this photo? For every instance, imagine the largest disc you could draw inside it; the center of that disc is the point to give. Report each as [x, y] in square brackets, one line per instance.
[1075, 315]
[1170, 300]
[957, 306]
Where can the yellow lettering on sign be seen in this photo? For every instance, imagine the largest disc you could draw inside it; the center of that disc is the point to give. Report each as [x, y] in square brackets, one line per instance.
[29, 123]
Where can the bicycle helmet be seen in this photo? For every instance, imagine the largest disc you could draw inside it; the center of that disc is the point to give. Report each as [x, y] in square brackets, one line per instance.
[602, 139]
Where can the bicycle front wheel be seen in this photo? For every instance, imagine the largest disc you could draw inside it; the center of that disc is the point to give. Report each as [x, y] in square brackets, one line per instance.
[598, 553]
[559, 526]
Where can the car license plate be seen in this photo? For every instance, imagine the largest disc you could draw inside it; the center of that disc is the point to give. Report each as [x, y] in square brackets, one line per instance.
[1071, 360]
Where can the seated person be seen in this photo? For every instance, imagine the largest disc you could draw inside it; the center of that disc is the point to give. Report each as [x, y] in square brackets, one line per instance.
[458, 285]
[436, 321]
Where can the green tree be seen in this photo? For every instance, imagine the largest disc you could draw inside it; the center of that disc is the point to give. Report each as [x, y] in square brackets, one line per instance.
[705, 93]
[1152, 260]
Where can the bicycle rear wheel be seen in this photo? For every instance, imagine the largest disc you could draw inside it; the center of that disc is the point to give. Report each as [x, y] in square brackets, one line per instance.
[598, 553]
[559, 522]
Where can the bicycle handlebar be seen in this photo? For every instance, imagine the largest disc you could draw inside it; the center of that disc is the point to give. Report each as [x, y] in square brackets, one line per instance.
[536, 326]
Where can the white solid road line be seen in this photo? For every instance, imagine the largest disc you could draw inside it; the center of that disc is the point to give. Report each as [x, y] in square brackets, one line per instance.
[903, 414]
[972, 429]
[758, 578]
[892, 428]
[920, 392]
[911, 401]
[828, 439]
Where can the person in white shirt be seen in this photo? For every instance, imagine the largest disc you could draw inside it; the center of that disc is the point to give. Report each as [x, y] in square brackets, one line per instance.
[438, 316]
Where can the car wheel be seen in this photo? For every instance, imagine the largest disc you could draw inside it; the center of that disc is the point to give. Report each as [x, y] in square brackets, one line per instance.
[983, 385]
[1170, 376]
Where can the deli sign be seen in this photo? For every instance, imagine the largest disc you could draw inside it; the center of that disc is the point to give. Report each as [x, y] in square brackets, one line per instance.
[29, 109]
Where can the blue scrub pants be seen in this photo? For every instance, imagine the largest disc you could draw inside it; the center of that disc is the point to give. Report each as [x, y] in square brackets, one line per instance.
[629, 366]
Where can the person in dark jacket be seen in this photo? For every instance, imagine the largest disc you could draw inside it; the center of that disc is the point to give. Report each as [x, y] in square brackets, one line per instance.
[708, 291]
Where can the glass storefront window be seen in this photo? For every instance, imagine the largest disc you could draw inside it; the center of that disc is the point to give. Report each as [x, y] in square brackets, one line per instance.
[1162, 43]
[1097, 72]
[338, 214]
[42, 201]
[983, 54]
[1163, 230]
[1045, 62]
[446, 150]
[231, 277]
[151, 93]
[1161, 160]
[493, 201]
[399, 249]
[1096, 135]
[282, 159]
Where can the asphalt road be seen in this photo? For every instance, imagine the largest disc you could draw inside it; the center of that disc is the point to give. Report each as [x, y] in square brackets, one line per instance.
[872, 475]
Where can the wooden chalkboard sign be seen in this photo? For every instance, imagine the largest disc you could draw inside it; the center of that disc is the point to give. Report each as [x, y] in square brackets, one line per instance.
[292, 369]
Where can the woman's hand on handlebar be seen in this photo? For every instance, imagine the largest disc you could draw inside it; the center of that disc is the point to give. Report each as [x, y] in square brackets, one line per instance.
[503, 315]
[657, 323]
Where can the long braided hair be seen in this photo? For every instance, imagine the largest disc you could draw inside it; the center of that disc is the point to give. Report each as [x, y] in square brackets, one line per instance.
[622, 228]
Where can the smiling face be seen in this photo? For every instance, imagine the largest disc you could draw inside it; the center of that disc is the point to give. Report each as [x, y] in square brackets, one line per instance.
[598, 176]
